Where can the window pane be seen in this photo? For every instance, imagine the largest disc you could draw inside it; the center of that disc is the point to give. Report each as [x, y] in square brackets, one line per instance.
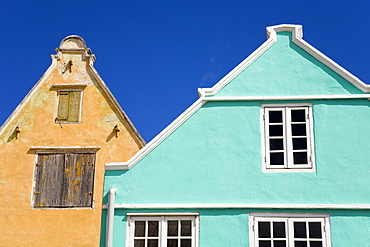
[139, 229]
[314, 229]
[276, 158]
[171, 242]
[298, 129]
[264, 230]
[300, 158]
[185, 243]
[300, 230]
[276, 130]
[153, 243]
[315, 244]
[298, 115]
[275, 116]
[139, 243]
[279, 243]
[276, 144]
[264, 243]
[300, 244]
[185, 228]
[153, 228]
[299, 143]
[172, 228]
[279, 229]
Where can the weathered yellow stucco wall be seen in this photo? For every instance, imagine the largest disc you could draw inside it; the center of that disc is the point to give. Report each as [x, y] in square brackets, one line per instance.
[20, 223]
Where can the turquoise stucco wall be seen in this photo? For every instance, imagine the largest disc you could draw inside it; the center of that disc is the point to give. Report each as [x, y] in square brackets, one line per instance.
[286, 69]
[230, 227]
[215, 157]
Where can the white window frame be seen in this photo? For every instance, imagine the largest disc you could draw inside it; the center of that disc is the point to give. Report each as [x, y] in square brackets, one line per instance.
[163, 218]
[289, 220]
[288, 165]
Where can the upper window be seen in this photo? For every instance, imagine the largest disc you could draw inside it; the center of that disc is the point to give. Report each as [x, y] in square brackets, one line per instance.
[287, 136]
[162, 231]
[292, 231]
[64, 180]
[69, 106]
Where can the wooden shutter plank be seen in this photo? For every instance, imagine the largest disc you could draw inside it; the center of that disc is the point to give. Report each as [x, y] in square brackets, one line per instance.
[49, 179]
[63, 107]
[38, 183]
[74, 106]
[85, 178]
[69, 185]
[87, 190]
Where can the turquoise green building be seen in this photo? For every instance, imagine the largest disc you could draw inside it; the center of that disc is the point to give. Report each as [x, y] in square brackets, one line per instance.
[273, 155]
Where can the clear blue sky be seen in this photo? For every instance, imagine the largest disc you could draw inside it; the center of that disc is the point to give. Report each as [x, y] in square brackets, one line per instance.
[153, 55]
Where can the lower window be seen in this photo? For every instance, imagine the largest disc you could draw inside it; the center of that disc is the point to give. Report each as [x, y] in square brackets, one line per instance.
[64, 180]
[293, 230]
[162, 231]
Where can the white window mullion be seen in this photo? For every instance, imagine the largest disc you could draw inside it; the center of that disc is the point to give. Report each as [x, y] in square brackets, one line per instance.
[309, 134]
[163, 228]
[146, 232]
[288, 138]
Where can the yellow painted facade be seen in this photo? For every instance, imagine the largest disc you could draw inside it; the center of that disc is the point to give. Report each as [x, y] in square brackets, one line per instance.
[34, 126]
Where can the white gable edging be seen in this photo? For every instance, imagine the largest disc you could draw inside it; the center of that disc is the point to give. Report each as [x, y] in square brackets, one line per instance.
[297, 35]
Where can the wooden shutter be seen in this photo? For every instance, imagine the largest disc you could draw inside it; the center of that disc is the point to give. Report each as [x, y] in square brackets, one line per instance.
[63, 106]
[79, 170]
[74, 106]
[64, 180]
[69, 106]
[49, 178]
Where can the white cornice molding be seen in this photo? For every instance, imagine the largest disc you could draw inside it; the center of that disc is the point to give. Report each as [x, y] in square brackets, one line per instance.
[156, 140]
[241, 205]
[199, 103]
[297, 35]
[292, 97]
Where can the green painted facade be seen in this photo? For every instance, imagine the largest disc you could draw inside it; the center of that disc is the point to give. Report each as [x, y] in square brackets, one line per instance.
[215, 156]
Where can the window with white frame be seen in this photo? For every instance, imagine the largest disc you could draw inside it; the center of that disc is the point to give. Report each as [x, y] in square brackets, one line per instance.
[162, 231]
[287, 136]
[295, 230]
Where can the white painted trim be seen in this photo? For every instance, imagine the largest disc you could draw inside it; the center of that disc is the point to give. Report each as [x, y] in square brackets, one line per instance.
[156, 140]
[198, 104]
[165, 214]
[241, 205]
[293, 215]
[237, 70]
[292, 97]
[297, 35]
[162, 233]
[289, 218]
[310, 140]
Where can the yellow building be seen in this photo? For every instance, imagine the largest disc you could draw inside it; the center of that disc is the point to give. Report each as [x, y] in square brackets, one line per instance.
[53, 148]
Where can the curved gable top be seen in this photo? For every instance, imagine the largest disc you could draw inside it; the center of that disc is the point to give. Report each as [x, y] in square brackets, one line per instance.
[297, 35]
[74, 44]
